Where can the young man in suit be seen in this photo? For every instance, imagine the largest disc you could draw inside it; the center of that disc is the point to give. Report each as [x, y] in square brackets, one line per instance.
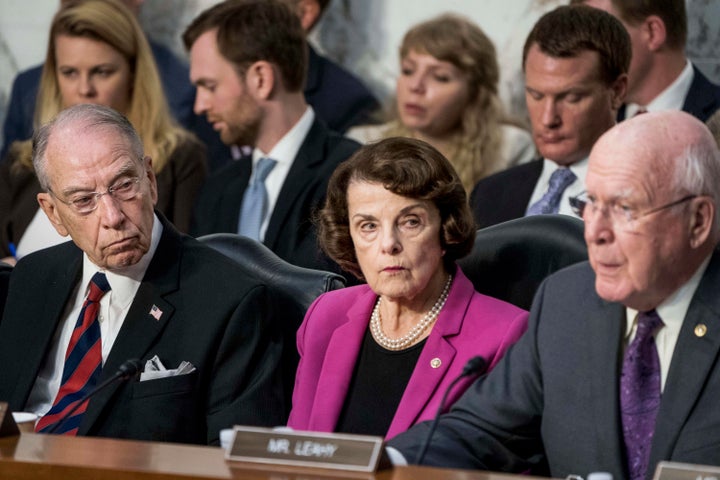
[619, 367]
[660, 77]
[575, 61]
[129, 286]
[248, 62]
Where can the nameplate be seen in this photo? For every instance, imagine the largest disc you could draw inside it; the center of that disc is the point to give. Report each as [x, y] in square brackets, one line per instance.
[685, 471]
[359, 453]
[8, 427]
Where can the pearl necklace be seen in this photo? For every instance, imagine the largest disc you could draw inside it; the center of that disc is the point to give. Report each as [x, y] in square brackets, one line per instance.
[410, 338]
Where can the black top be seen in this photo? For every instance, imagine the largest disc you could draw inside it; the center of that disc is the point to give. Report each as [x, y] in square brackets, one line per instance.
[376, 388]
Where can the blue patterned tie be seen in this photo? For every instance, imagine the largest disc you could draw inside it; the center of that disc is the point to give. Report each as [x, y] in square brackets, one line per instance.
[83, 363]
[560, 179]
[255, 200]
[640, 394]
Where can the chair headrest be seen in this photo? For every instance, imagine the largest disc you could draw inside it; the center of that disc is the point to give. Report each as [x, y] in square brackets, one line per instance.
[510, 260]
[303, 285]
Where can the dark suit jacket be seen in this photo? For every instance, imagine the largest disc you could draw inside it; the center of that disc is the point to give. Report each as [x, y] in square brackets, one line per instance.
[290, 233]
[505, 195]
[179, 92]
[554, 398]
[213, 315]
[702, 100]
[337, 96]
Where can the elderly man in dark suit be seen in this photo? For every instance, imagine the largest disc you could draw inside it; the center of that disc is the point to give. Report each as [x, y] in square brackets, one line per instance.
[619, 367]
[130, 286]
[575, 61]
[661, 77]
[248, 61]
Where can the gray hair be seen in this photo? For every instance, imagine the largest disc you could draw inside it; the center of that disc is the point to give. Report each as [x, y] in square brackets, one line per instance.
[697, 171]
[86, 116]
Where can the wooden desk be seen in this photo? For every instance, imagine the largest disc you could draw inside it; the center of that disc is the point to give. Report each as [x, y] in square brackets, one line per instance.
[34, 456]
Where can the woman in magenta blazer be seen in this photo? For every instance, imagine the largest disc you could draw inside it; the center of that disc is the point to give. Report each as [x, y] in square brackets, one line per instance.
[377, 358]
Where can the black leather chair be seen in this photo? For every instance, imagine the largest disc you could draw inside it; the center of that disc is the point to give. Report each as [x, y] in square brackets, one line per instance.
[296, 288]
[511, 259]
[302, 285]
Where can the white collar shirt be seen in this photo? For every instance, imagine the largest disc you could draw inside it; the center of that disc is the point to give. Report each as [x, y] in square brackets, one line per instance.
[672, 98]
[672, 312]
[284, 153]
[114, 307]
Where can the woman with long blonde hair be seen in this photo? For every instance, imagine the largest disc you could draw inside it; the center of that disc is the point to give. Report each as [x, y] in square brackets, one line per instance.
[447, 95]
[97, 53]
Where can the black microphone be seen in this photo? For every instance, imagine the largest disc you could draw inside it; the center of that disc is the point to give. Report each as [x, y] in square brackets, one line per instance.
[126, 371]
[474, 366]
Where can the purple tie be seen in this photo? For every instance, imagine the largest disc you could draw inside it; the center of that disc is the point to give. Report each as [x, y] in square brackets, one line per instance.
[560, 179]
[640, 393]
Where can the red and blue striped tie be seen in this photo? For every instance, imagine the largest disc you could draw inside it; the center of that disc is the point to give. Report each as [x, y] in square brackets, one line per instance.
[83, 363]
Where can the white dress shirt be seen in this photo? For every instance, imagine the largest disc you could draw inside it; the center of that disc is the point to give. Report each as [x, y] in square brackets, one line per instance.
[579, 168]
[672, 98]
[284, 153]
[114, 307]
[672, 312]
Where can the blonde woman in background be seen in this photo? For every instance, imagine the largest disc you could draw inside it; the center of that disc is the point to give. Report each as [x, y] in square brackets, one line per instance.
[447, 95]
[97, 53]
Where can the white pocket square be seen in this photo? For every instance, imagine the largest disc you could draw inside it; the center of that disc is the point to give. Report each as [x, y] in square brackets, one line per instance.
[154, 369]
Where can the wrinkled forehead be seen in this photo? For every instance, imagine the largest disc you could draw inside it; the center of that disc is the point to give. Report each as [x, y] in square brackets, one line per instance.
[86, 151]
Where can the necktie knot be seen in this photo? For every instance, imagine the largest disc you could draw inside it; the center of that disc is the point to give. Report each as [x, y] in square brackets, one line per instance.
[648, 323]
[560, 179]
[263, 169]
[99, 286]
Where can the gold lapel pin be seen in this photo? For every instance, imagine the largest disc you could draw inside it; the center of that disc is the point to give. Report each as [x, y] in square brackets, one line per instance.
[700, 330]
[435, 362]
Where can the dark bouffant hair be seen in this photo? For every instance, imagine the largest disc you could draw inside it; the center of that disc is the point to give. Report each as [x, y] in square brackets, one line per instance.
[407, 167]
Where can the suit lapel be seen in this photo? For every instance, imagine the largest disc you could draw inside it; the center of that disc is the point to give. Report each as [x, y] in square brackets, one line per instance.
[692, 361]
[231, 198]
[701, 100]
[140, 328]
[53, 308]
[606, 326]
[339, 364]
[425, 378]
[303, 171]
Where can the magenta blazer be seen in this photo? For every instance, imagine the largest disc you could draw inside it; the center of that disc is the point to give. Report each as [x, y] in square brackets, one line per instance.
[331, 335]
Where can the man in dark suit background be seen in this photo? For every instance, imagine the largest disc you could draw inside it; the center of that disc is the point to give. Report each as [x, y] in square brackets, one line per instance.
[248, 61]
[619, 367]
[575, 61]
[338, 97]
[170, 298]
[660, 77]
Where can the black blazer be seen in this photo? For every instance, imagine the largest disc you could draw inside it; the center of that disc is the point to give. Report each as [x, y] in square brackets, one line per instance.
[213, 315]
[290, 233]
[337, 96]
[553, 400]
[505, 195]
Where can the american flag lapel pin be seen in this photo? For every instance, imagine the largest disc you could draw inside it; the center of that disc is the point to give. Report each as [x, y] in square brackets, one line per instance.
[156, 312]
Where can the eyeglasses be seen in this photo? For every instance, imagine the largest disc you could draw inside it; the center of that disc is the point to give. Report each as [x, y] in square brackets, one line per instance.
[86, 202]
[621, 215]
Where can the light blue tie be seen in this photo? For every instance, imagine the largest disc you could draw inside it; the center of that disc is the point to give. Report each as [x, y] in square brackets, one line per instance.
[560, 179]
[255, 200]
